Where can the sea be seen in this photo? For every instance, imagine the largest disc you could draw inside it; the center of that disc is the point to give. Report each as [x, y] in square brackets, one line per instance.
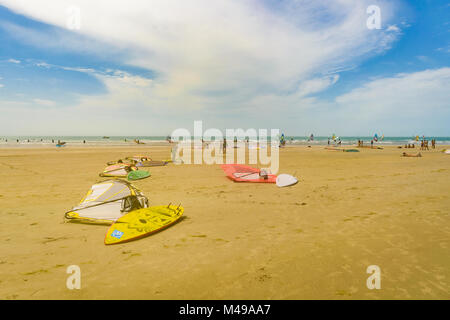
[21, 141]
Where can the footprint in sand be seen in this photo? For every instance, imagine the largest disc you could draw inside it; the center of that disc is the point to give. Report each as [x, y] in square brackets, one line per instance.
[35, 272]
[221, 240]
[51, 239]
[133, 255]
[343, 293]
[263, 276]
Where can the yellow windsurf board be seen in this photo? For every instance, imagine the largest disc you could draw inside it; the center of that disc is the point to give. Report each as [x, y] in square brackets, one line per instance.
[143, 222]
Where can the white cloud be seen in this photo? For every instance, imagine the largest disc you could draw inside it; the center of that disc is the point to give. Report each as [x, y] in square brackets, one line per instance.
[226, 61]
[42, 65]
[316, 85]
[237, 47]
[1, 85]
[14, 61]
[393, 28]
[410, 101]
[44, 102]
[423, 58]
[400, 105]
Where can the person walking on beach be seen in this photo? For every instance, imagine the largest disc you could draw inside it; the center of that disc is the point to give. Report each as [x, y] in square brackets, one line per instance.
[371, 144]
[224, 146]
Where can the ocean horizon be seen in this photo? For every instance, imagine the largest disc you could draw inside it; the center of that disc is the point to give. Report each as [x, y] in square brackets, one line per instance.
[130, 140]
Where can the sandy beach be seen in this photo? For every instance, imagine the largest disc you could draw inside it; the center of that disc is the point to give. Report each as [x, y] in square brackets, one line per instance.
[313, 240]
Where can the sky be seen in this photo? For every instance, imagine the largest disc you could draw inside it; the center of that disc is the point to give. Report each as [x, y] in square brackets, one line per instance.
[83, 68]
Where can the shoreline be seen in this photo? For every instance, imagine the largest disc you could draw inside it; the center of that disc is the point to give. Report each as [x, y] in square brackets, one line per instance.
[170, 145]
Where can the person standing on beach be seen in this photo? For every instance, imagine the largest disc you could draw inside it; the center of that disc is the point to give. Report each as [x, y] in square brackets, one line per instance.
[224, 146]
[371, 144]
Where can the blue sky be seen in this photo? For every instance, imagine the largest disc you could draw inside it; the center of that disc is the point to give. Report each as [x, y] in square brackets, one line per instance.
[300, 66]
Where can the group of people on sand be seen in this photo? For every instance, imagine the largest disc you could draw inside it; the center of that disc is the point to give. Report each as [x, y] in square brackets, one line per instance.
[361, 143]
[338, 142]
[424, 144]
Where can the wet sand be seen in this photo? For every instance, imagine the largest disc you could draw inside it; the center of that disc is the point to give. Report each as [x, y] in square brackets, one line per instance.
[314, 240]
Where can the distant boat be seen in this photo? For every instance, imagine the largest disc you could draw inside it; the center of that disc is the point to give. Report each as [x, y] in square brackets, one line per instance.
[105, 137]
